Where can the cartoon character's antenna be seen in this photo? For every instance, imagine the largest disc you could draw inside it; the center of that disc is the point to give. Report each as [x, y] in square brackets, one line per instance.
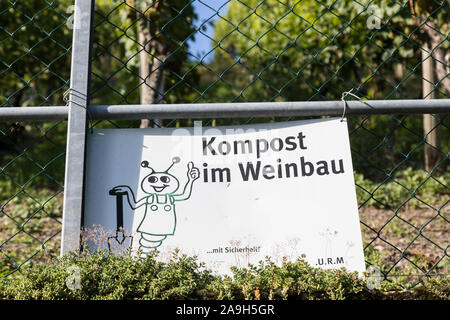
[145, 164]
[174, 160]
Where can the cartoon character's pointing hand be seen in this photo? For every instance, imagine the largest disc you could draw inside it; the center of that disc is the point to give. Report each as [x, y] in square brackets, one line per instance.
[193, 172]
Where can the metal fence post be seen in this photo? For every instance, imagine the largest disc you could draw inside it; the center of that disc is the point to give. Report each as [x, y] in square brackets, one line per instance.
[77, 125]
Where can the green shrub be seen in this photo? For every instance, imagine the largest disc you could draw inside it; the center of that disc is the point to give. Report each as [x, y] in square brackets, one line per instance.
[406, 187]
[108, 276]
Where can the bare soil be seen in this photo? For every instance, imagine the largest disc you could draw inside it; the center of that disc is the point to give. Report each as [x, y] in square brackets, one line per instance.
[413, 238]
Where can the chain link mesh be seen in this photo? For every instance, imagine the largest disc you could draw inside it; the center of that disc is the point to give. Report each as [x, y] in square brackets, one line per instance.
[35, 46]
[180, 51]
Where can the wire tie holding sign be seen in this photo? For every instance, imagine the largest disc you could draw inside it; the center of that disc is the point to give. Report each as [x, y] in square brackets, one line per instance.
[72, 92]
[345, 94]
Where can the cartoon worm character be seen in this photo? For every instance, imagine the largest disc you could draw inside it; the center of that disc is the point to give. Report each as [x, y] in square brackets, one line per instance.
[159, 220]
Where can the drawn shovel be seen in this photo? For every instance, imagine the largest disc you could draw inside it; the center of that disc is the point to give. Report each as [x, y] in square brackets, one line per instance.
[119, 237]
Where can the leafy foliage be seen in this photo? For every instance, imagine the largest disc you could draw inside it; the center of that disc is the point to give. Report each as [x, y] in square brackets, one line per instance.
[116, 60]
[411, 188]
[108, 276]
[315, 50]
[35, 46]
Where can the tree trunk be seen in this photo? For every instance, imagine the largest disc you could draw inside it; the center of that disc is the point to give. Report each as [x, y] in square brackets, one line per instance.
[440, 55]
[440, 63]
[430, 123]
[431, 49]
[151, 72]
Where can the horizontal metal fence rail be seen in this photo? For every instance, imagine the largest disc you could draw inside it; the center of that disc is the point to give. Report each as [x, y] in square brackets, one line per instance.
[237, 110]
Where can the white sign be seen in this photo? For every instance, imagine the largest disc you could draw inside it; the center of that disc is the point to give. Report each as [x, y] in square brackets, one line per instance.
[230, 195]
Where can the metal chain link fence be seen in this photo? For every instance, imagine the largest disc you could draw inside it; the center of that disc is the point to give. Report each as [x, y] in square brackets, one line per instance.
[180, 51]
[35, 47]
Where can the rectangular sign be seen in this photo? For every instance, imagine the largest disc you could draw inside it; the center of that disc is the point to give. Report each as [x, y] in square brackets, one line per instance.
[230, 195]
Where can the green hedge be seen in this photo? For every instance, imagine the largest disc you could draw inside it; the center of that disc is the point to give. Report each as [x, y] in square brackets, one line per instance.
[108, 276]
